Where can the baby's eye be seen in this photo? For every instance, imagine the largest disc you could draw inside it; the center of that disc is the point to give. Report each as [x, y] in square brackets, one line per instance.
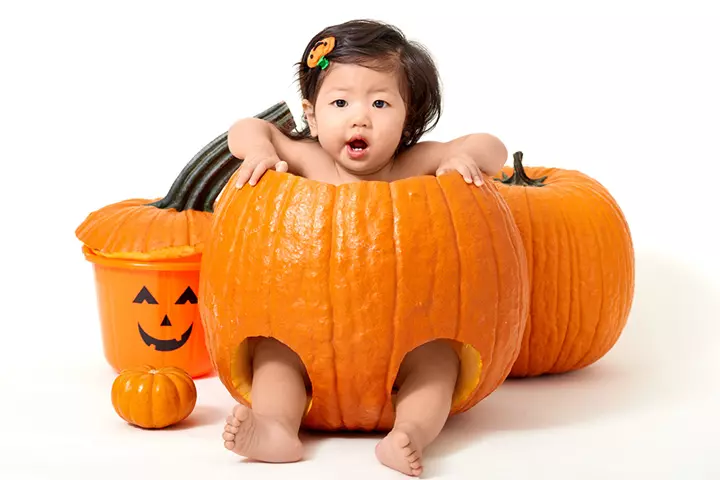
[340, 103]
[379, 103]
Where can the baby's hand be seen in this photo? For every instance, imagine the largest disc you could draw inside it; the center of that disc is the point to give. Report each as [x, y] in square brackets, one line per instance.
[256, 164]
[463, 163]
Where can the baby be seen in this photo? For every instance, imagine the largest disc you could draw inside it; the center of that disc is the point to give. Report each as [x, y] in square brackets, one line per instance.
[368, 94]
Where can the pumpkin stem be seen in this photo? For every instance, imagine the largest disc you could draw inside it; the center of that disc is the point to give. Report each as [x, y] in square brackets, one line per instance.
[206, 174]
[519, 177]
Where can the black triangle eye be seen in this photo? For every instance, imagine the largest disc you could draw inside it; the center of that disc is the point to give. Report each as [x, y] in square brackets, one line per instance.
[145, 296]
[187, 296]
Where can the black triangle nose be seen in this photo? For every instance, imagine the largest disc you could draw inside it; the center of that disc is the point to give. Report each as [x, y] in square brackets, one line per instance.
[166, 322]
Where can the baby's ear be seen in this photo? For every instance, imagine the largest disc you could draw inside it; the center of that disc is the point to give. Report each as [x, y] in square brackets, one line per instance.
[310, 117]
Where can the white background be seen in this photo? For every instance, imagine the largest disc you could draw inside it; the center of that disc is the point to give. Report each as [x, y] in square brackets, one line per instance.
[104, 101]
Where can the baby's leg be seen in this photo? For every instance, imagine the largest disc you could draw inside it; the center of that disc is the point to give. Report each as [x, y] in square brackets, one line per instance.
[269, 432]
[426, 382]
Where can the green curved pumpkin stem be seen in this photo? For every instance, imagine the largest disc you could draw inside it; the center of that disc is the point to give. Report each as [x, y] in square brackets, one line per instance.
[206, 174]
[519, 177]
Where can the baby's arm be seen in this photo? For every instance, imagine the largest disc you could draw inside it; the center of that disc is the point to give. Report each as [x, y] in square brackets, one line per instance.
[470, 155]
[262, 146]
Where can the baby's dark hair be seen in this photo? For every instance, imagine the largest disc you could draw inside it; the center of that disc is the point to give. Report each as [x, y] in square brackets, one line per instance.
[383, 47]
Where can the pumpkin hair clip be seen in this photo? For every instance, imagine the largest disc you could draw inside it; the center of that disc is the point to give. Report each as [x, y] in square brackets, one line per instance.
[317, 56]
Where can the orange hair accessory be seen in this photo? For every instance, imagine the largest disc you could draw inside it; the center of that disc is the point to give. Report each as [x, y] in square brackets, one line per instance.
[317, 54]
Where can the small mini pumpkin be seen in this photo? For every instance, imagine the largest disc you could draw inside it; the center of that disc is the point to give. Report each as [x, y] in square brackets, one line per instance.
[153, 398]
[581, 266]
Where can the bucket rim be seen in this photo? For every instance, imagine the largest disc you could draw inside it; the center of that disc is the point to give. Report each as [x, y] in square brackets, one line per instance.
[173, 264]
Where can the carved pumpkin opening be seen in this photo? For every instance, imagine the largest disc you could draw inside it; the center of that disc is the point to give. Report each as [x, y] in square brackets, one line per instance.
[242, 370]
[468, 376]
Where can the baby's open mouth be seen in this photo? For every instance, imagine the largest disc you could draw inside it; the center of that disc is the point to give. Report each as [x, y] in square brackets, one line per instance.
[358, 145]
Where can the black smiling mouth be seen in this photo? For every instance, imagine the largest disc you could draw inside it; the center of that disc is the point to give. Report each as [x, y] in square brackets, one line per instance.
[165, 345]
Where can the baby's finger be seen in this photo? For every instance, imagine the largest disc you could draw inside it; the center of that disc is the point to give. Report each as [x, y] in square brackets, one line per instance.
[281, 166]
[257, 173]
[476, 174]
[243, 174]
[465, 172]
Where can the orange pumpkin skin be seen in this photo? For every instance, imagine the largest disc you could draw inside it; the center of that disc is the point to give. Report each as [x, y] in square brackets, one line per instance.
[153, 398]
[136, 229]
[581, 266]
[353, 277]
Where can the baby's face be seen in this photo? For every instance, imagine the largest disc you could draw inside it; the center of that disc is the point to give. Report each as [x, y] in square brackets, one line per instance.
[359, 117]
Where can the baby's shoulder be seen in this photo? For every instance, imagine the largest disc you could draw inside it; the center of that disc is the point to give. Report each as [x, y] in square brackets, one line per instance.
[423, 158]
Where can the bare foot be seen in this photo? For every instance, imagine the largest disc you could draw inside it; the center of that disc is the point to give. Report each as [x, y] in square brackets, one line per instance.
[396, 451]
[260, 438]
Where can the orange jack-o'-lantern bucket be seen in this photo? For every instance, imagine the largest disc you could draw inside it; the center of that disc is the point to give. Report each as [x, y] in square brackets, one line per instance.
[146, 255]
[148, 312]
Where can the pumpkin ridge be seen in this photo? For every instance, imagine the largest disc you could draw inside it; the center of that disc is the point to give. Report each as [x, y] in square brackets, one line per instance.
[533, 235]
[562, 255]
[589, 189]
[456, 245]
[512, 222]
[331, 307]
[432, 271]
[623, 237]
[585, 227]
[589, 354]
[575, 258]
[488, 357]
[286, 190]
[601, 309]
[118, 218]
[576, 316]
[505, 215]
[522, 273]
[237, 255]
[150, 224]
[389, 378]
[481, 206]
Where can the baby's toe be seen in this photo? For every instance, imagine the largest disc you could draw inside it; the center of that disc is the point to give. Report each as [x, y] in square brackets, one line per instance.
[240, 414]
[228, 437]
[231, 428]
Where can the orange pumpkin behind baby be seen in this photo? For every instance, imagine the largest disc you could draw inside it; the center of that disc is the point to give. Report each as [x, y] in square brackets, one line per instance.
[353, 277]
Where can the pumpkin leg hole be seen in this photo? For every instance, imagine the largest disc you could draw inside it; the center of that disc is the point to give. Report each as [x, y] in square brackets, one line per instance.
[436, 358]
[425, 384]
[274, 354]
[443, 356]
[270, 351]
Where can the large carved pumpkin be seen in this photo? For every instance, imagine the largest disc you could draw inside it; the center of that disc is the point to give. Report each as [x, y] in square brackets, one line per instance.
[581, 265]
[353, 277]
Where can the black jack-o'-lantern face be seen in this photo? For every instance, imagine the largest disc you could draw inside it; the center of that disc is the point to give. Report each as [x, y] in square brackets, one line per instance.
[172, 343]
